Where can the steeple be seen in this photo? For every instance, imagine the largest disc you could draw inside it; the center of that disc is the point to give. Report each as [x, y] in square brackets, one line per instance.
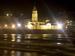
[34, 15]
[34, 8]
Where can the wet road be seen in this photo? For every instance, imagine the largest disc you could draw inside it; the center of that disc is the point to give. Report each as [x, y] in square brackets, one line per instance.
[36, 45]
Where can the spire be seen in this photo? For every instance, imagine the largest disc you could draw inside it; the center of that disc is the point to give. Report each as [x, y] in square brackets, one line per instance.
[34, 12]
[34, 8]
[34, 5]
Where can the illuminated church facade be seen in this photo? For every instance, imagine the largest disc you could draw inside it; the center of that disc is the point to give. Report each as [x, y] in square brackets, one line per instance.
[35, 24]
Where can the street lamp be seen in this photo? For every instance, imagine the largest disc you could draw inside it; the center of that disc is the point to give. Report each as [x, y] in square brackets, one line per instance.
[59, 25]
[13, 26]
[7, 14]
[5, 25]
[18, 24]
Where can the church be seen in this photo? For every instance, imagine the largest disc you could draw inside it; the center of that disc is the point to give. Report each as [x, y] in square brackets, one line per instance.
[37, 25]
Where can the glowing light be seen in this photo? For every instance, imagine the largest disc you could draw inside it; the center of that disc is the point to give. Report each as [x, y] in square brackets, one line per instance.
[13, 26]
[59, 36]
[45, 35]
[43, 27]
[5, 36]
[7, 14]
[58, 43]
[13, 37]
[5, 25]
[18, 36]
[29, 26]
[66, 27]
[68, 22]
[19, 25]
[48, 24]
[71, 21]
[47, 20]
[28, 36]
[59, 26]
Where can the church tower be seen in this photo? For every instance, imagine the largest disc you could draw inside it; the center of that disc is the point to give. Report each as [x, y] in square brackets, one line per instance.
[34, 15]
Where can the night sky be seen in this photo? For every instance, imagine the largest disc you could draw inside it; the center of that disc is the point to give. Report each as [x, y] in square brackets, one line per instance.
[44, 7]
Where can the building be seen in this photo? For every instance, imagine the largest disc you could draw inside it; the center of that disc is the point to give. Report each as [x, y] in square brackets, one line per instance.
[35, 24]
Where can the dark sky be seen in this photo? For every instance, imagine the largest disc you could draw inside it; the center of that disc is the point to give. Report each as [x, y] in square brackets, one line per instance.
[43, 6]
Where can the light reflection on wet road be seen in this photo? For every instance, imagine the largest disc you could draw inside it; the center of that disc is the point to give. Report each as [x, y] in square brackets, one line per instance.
[49, 44]
[16, 53]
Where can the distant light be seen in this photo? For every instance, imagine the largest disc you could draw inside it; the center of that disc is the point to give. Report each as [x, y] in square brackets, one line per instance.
[13, 26]
[68, 22]
[71, 21]
[28, 36]
[13, 37]
[66, 27]
[59, 26]
[18, 24]
[59, 36]
[5, 36]
[5, 25]
[18, 36]
[58, 43]
[7, 14]
[18, 40]
[48, 24]
[29, 25]
[47, 20]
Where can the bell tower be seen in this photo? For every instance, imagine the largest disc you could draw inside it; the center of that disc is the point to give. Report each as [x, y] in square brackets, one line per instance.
[34, 15]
